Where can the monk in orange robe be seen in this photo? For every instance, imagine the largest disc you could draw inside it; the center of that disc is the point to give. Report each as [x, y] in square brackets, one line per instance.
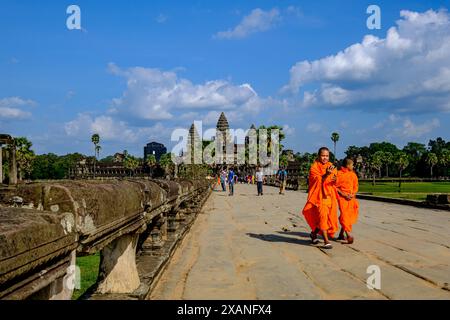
[320, 210]
[347, 187]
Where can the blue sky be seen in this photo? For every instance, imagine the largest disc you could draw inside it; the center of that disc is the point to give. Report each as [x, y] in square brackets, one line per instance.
[138, 70]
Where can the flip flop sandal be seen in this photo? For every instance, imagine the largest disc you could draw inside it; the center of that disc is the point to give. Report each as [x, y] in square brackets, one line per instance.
[314, 239]
[327, 246]
[350, 240]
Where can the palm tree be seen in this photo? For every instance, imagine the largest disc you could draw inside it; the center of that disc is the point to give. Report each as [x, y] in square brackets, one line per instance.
[431, 160]
[378, 158]
[444, 160]
[98, 148]
[387, 159]
[95, 140]
[24, 156]
[151, 161]
[131, 163]
[166, 162]
[402, 163]
[335, 139]
[375, 164]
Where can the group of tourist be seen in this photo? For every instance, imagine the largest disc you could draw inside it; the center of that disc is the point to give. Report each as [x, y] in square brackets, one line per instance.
[329, 189]
[227, 177]
[230, 178]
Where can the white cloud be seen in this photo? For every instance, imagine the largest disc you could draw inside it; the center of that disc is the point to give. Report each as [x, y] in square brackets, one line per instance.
[407, 71]
[111, 129]
[13, 102]
[153, 94]
[288, 130]
[105, 126]
[13, 113]
[409, 129]
[257, 21]
[10, 108]
[314, 127]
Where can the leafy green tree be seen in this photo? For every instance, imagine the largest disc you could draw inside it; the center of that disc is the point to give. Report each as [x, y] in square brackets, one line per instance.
[283, 160]
[51, 166]
[414, 150]
[436, 146]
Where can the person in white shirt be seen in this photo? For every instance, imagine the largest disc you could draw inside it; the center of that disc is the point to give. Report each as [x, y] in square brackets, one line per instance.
[259, 180]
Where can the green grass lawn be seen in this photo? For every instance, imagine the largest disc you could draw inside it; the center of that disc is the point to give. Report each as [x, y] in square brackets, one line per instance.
[409, 190]
[88, 273]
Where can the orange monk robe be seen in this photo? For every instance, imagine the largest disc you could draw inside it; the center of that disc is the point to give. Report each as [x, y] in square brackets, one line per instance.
[347, 182]
[320, 210]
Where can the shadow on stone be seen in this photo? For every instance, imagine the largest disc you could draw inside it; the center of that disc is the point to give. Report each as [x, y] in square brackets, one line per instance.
[295, 233]
[278, 238]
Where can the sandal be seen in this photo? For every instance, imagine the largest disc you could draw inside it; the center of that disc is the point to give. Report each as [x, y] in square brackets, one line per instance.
[327, 246]
[314, 239]
[350, 240]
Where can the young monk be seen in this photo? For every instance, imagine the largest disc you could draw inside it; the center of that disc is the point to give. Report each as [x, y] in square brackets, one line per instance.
[320, 210]
[347, 187]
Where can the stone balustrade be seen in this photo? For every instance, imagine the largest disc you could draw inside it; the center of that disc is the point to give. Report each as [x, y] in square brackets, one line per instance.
[45, 225]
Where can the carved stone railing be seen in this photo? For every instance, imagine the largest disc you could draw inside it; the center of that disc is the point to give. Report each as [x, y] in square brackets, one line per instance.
[45, 225]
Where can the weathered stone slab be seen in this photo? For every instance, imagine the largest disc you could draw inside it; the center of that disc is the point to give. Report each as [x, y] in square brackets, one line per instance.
[31, 239]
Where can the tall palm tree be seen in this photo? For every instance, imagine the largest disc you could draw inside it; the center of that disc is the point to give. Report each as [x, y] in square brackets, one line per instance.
[98, 148]
[335, 139]
[95, 140]
[387, 159]
[444, 160]
[24, 156]
[375, 164]
[402, 162]
[378, 159]
[431, 160]
[131, 163]
[151, 161]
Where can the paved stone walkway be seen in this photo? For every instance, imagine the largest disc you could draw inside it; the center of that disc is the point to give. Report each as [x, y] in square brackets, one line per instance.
[250, 247]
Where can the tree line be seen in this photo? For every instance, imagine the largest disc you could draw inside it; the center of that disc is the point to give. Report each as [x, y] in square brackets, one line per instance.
[384, 159]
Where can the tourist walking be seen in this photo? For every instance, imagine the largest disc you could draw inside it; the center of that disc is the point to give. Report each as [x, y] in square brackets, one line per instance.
[223, 179]
[231, 180]
[259, 181]
[282, 178]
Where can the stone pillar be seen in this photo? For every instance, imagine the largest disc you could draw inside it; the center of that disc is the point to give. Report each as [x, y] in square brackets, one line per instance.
[62, 288]
[118, 271]
[12, 164]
